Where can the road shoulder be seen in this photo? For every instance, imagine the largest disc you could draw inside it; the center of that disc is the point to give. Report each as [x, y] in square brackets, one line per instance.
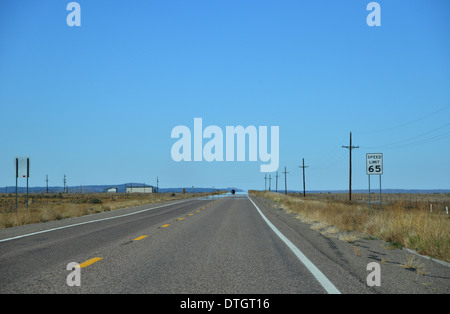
[345, 262]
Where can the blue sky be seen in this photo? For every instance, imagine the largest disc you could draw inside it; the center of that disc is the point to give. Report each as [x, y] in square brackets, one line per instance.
[98, 102]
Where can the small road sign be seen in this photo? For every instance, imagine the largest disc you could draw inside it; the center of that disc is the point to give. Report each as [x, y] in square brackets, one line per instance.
[22, 167]
[374, 164]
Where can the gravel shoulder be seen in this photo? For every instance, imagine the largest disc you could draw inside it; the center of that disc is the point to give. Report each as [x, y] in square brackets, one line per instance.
[346, 257]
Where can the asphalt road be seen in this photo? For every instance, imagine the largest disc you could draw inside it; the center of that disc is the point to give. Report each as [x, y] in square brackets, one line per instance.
[226, 245]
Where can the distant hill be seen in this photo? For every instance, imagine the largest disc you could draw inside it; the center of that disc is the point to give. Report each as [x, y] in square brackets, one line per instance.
[101, 188]
[376, 190]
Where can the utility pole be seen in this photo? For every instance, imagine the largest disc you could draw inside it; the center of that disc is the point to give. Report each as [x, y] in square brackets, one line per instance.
[65, 191]
[285, 181]
[265, 182]
[304, 191]
[350, 147]
[276, 184]
[157, 185]
[270, 181]
[46, 179]
[17, 175]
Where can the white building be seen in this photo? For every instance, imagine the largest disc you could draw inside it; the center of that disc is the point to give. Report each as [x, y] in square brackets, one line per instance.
[139, 189]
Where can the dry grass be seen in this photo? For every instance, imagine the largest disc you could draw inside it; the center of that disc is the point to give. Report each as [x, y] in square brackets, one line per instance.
[412, 263]
[400, 224]
[49, 207]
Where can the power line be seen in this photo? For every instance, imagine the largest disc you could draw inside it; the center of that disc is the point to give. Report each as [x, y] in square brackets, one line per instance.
[408, 123]
[424, 141]
[421, 142]
[331, 163]
[324, 163]
[436, 137]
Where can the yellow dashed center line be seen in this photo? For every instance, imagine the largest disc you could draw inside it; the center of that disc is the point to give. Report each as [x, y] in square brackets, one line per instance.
[96, 259]
[90, 262]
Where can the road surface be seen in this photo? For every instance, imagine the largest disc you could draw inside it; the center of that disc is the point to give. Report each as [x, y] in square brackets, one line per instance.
[231, 245]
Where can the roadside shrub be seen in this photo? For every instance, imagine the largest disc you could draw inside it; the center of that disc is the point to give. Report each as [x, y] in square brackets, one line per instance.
[95, 201]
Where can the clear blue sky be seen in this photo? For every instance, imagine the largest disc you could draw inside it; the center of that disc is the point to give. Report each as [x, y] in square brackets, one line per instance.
[98, 102]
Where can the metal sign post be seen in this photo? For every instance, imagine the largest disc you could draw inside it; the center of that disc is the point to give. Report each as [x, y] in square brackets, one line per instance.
[22, 171]
[380, 193]
[374, 166]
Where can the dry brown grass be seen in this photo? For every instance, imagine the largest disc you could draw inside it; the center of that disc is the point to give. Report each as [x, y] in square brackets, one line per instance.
[400, 224]
[49, 207]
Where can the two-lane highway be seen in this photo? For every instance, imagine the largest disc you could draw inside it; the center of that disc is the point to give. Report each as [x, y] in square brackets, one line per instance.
[224, 245]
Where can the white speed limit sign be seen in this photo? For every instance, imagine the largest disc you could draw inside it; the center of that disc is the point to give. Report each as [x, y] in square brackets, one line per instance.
[374, 164]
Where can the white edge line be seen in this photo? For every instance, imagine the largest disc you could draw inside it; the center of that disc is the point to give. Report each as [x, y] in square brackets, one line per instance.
[88, 222]
[321, 278]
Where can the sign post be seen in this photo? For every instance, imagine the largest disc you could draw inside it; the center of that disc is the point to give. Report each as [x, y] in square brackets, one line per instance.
[22, 171]
[374, 166]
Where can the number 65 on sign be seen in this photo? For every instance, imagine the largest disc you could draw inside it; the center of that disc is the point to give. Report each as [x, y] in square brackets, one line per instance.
[374, 164]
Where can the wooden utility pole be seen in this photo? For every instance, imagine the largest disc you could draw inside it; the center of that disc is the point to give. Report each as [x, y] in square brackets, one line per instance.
[265, 182]
[285, 181]
[276, 184]
[350, 147]
[65, 181]
[304, 191]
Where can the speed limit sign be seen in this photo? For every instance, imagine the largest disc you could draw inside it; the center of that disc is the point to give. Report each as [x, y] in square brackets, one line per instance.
[374, 164]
